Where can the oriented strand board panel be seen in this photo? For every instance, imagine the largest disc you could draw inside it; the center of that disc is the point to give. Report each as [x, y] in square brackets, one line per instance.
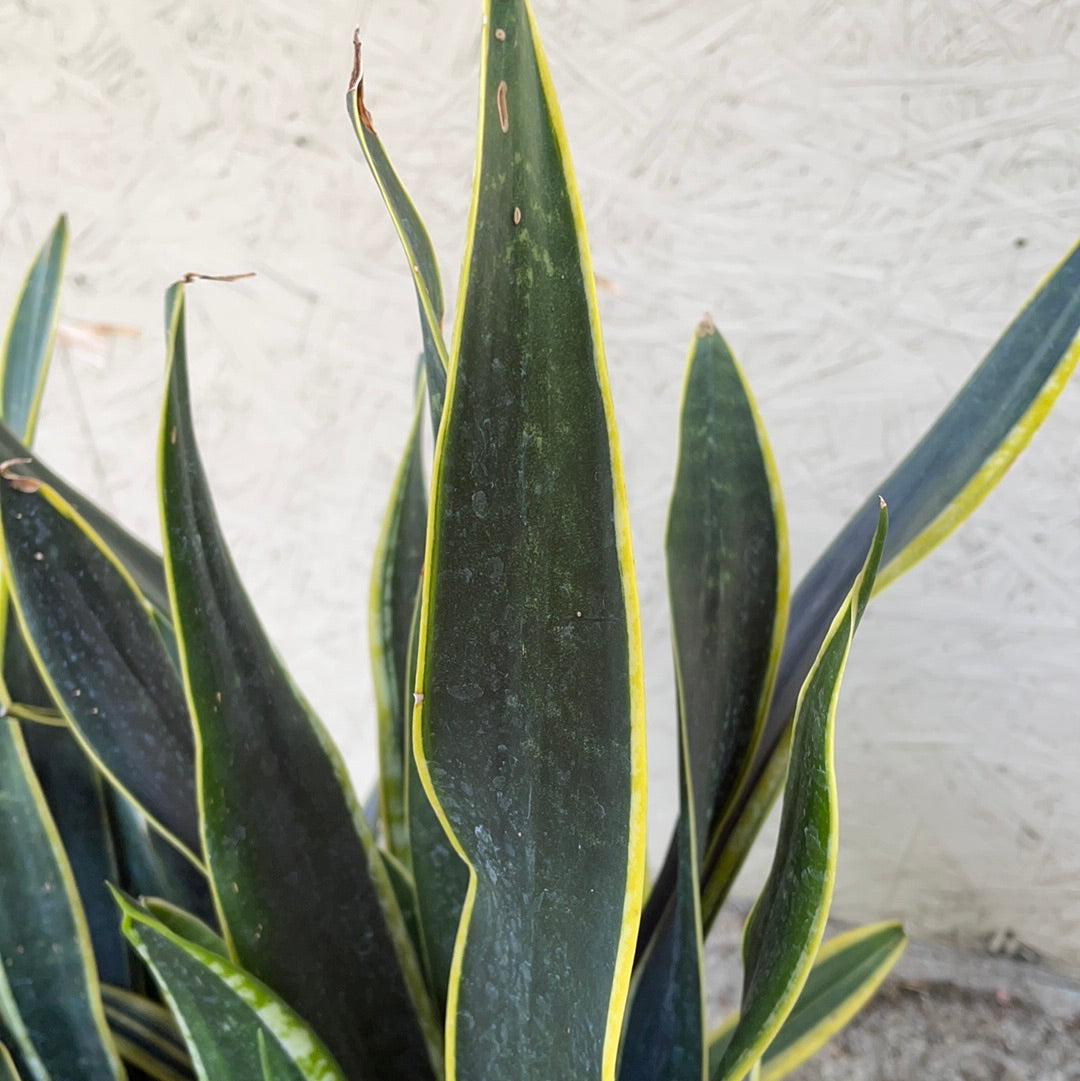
[861, 194]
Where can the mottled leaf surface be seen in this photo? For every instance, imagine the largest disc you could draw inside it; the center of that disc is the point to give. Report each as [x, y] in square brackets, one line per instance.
[103, 660]
[528, 732]
[294, 870]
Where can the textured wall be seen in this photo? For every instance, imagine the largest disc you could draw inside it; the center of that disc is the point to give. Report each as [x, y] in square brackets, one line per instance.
[860, 193]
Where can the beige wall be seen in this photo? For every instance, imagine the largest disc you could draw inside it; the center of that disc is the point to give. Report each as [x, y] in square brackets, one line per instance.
[860, 193]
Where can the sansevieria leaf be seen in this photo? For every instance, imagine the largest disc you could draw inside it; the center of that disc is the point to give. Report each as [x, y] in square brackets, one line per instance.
[528, 730]
[946, 475]
[785, 927]
[49, 1000]
[727, 580]
[412, 234]
[848, 970]
[28, 343]
[294, 870]
[96, 644]
[395, 583]
[222, 1010]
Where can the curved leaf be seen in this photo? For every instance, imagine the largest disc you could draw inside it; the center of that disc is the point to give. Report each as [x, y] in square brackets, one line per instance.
[50, 1003]
[849, 969]
[785, 927]
[95, 643]
[941, 481]
[143, 564]
[28, 343]
[529, 728]
[282, 831]
[440, 877]
[412, 234]
[222, 1009]
[395, 580]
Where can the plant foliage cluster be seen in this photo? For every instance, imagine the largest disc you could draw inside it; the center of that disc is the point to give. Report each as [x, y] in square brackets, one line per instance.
[492, 921]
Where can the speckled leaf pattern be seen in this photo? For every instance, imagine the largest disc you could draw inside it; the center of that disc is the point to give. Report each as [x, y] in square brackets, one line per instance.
[784, 929]
[528, 731]
[945, 476]
[222, 1009]
[413, 236]
[143, 564]
[105, 665]
[49, 1003]
[293, 867]
[727, 580]
[395, 583]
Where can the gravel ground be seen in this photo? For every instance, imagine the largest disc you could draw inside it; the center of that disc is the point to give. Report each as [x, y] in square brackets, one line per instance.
[943, 1015]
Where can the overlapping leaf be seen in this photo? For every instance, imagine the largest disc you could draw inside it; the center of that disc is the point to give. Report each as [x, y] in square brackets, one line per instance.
[785, 927]
[229, 1019]
[727, 575]
[105, 665]
[528, 731]
[294, 869]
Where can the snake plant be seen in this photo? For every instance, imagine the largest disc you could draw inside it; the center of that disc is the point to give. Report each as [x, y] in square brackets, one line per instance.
[188, 884]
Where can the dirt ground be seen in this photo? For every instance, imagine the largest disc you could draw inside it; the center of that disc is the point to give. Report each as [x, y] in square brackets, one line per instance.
[943, 1015]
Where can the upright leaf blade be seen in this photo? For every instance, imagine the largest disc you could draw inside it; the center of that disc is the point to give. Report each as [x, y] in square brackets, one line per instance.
[785, 927]
[293, 867]
[412, 234]
[50, 1005]
[946, 475]
[223, 1010]
[395, 582]
[28, 343]
[528, 732]
[8, 1071]
[98, 648]
[727, 579]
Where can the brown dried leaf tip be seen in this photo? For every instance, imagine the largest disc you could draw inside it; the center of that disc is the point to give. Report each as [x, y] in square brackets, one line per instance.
[193, 276]
[706, 328]
[356, 84]
[19, 481]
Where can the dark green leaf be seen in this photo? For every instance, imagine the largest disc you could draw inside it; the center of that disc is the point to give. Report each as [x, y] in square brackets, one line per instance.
[28, 344]
[785, 927]
[440, 878]
[49, 1003]
[76, 798]
[293, 867]
[8, 1072]
[941, 481]
[413, 236]
[97, 646]
[143, 564]
[186, 925]
[529, 736]
[395, 581]
[223, 1009]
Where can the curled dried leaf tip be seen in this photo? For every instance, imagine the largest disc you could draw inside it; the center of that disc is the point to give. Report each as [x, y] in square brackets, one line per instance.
[356, 84]
[194, 276]
[19, 481]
